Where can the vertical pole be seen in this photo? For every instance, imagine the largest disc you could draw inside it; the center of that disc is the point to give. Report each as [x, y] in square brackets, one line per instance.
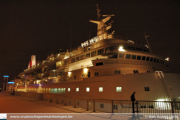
[133, 106]
[112, 106]
[137, 109]
[87, 105]
[4, 84]
[93, 105]
[137, 106]
[133, 114]
[172, 109]
[64, 102]
[74, 103]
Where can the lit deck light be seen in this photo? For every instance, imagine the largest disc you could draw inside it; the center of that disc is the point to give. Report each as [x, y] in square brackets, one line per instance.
[11, 82]
[6, 76]
[167, 59]
[121, 49]
[85, 70]
[69, 74]
[66, 57]
[160, 100]
[147, 46]
[87, 89]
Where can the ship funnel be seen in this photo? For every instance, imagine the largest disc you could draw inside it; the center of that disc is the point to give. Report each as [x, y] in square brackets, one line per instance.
[33, 61]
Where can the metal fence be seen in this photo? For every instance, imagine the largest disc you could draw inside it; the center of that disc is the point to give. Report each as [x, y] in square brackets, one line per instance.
[107, 105]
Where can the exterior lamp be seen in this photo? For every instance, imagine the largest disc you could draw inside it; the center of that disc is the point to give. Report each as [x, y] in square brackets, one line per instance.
[85, 70]
[167, 59]
[121, 49]
[69, 74]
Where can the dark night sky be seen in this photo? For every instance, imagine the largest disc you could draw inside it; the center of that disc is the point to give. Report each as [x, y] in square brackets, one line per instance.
[39, 27]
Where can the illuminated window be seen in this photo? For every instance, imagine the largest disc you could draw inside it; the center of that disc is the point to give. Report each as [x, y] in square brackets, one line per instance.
[118, 89]
[63, 90]
[77, 89]
[100, 89]
[87, 89]
[51, 90]
[69, 89]
[59, 90]
[55, 90]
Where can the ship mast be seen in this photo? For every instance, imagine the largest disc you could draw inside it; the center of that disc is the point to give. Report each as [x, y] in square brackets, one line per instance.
[102, 28]
[98, 13]
[146, 36]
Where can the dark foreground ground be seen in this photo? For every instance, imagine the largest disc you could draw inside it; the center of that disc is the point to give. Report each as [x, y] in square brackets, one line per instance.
[17, 104]
[17, 107]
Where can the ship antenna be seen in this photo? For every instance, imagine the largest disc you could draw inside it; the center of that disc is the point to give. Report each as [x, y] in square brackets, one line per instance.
[98, 13]
[71, 39]
[146, 36]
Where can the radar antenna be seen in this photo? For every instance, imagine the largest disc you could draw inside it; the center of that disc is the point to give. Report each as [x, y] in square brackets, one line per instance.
[98, 13]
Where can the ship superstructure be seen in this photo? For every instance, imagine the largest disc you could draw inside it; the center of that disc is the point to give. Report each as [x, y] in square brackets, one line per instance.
[104, 67]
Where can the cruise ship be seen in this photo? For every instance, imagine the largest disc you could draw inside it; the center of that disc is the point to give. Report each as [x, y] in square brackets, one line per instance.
[104, 67]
